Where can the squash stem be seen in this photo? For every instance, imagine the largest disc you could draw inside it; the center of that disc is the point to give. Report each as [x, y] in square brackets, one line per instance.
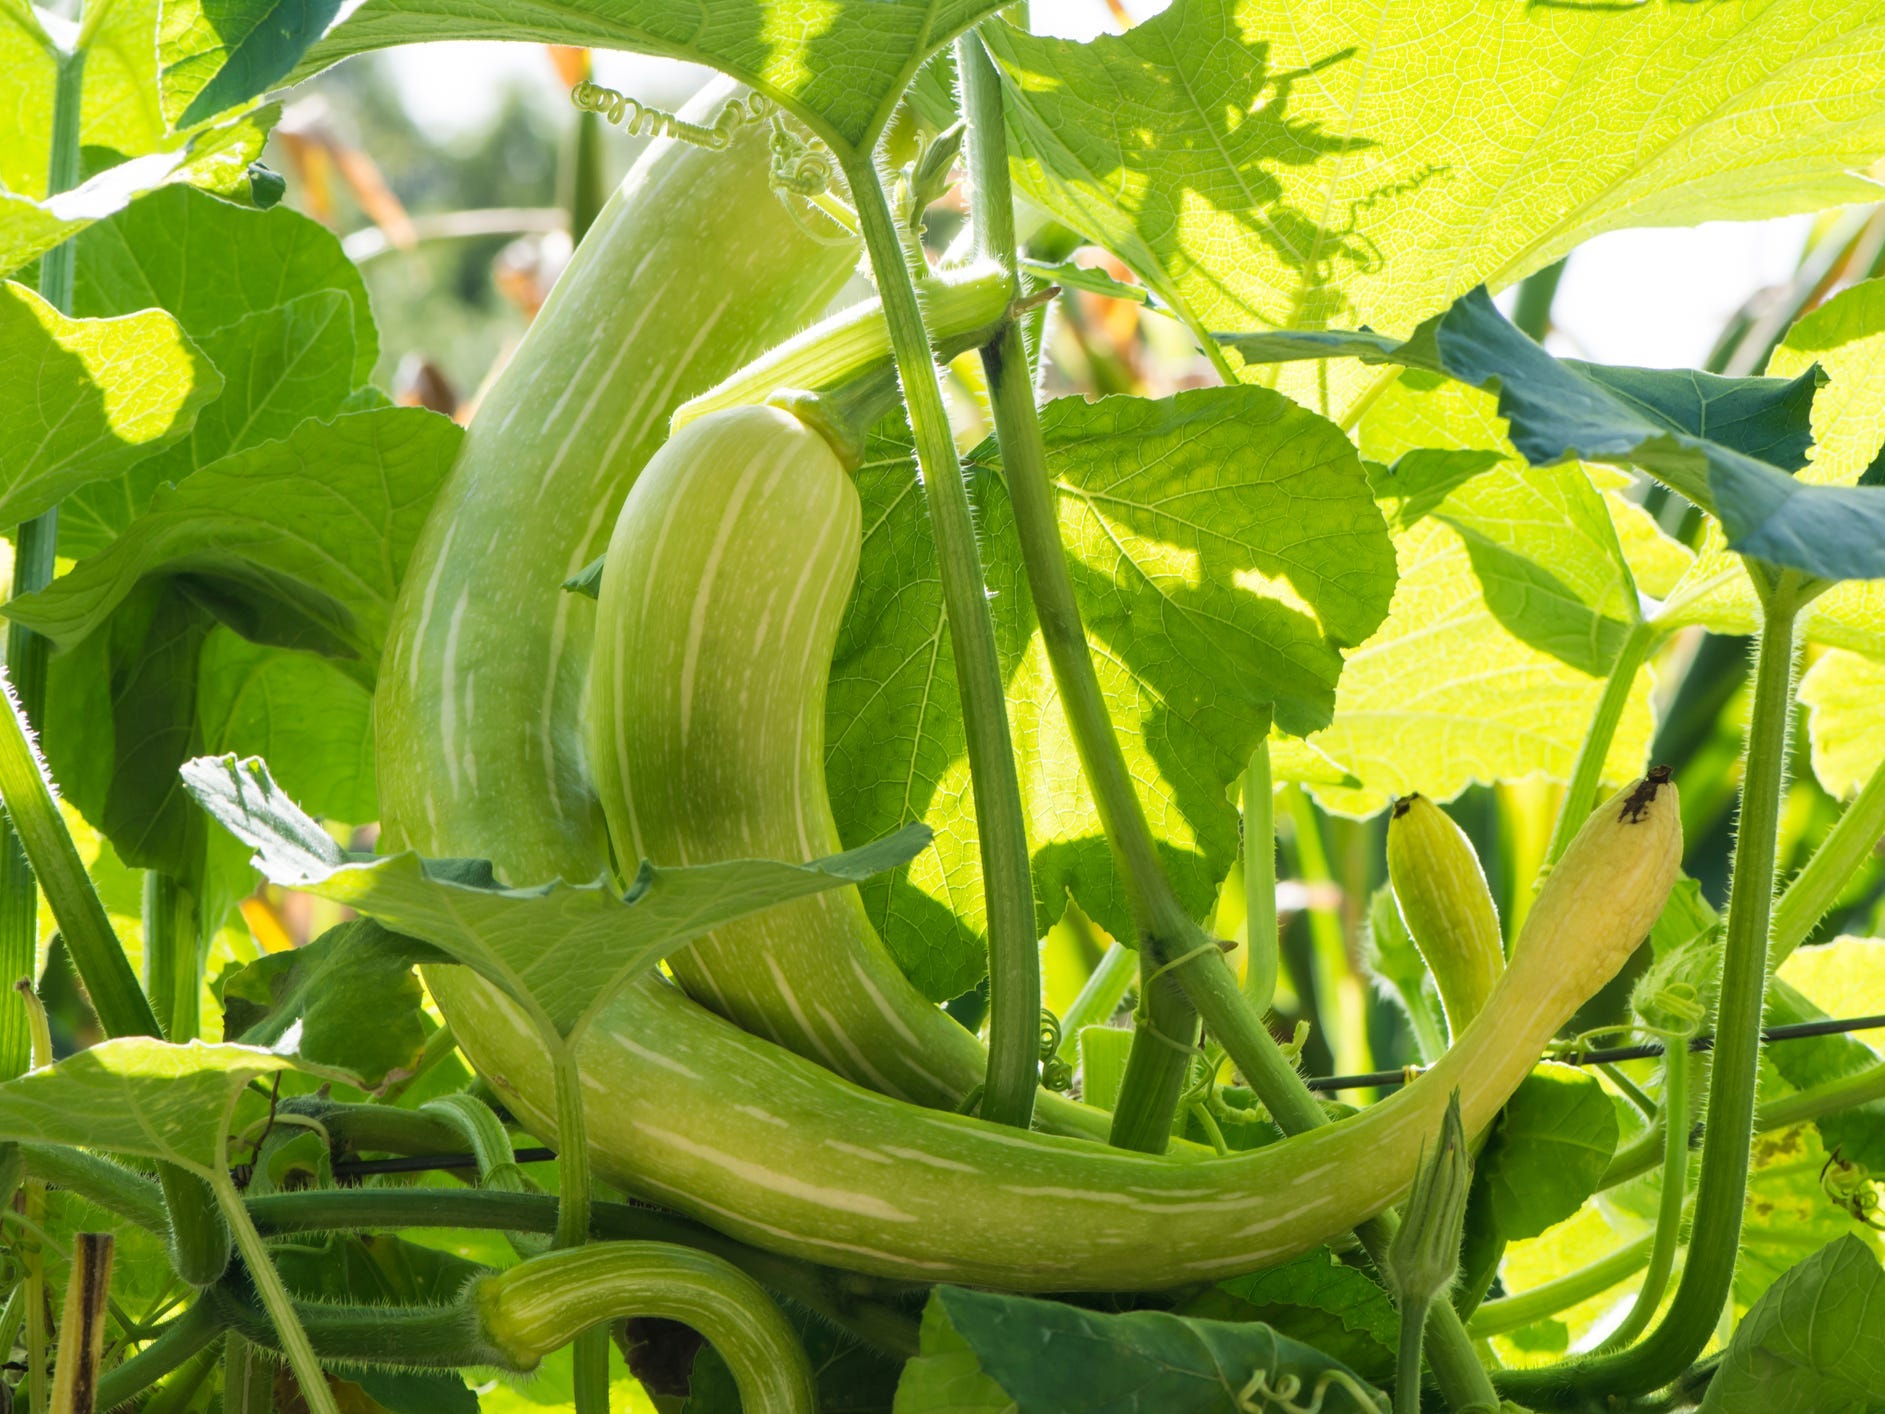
[1260, 936]
[185, 1338]
[1722, 1192]
[26, 651]
[1677, 1064]
[1509, 1313]
[1816, 888]
[1013, 948]
[1580, 796]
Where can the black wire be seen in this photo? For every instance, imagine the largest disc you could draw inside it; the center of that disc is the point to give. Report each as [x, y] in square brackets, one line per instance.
[1799, 1031]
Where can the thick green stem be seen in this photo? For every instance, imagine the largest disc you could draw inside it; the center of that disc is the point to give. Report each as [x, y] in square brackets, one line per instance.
[170, 959]
[572, 1149]
[1100, 997]
[112, 985]
[315, 1391]
[1677, 1065]
[1260, 937]
[1407, 1362]
[182, 1341]
[248, 1377]
[1509, 1313]
[26, 651]
[542, 1304]
[1531, 313]
[1816, 888]
[98, 1180]
[1013, 951]
[1580, 796]
[1722, 1192]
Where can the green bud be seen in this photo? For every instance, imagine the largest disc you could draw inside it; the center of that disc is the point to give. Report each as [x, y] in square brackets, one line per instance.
[1424, 1257]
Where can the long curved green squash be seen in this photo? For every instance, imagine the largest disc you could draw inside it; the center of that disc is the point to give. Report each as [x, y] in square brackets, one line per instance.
[691, 270]
[698, 1115]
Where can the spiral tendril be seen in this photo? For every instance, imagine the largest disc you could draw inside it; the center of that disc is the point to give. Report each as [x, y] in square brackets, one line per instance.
[640, 120]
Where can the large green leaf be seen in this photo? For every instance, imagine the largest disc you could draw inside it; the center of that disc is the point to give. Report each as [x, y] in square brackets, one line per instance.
[82, 399]
[350, 993]
[137, 1096]
[1513, 592]
[1224, 527]
[300, 542]
[1845, 977]
[222, 53]
[841, 65]
[216, 158]
[985, 1351]
[1729, 445]
[1845, 337]
[1344, 161]
[1814, 1343]
[1316, 1300]
[1548, 1150]
[558, 949]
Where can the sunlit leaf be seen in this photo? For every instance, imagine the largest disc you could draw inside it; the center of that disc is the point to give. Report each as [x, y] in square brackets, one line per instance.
[1334, 161]
[1812, 1343]
[1225, 526]
[82, 399]
[559, 949]
[1549, 1148]
[1842, 692]
[839, 64]
[223, 53]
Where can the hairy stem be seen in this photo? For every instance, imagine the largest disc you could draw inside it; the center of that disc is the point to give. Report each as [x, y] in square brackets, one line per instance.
[26, 651]
[1014, 967]
[1706, 1278]
[1413, 1320]
[1677, 1066]
[1816, 888]
[1100, 996]
[183, 1340]
[540, 1305]
[315, 1391]
[1580, 796]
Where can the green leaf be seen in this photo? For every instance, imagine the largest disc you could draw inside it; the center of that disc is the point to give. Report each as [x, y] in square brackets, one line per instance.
[1224, 526]
[841, 65]
[1549, 1148]
[215, 158]
[1845, 338]
[1505, 573]
[1260, 165]
[1730, 445]
[137, 1096]
[352, 993]
[1842, 692]
[225, 52]
[1316, 1300]
[1840, 978]
[1813, 1343]
[82, 399]
[558, 949]
[1049, 1358]
[299, 542]
[152, 696]
[211, 264]
[852, 1378]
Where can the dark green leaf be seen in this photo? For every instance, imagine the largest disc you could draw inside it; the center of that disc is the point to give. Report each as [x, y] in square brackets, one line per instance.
[1050, 1358]
[1709, 438]
[352, 992]
[1549, 1148]
[222, 53]
[299, 542]
[153, 732]
[1813, 1344]
[1316, 1300]
[558, 949]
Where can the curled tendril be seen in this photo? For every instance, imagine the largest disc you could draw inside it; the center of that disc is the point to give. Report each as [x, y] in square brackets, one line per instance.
[642, 121]
[798, 166]
[1259, 1396]
[1057, 1075]
[1852, 1187]
[1050, 1034]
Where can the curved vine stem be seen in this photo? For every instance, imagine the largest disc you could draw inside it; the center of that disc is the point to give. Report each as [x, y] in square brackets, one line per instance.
[543, 1303]
[1014, 978]
[1580, 795]
[1172, 945]
[1715, 1239]
[1677, 1065]
[1816, 887]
